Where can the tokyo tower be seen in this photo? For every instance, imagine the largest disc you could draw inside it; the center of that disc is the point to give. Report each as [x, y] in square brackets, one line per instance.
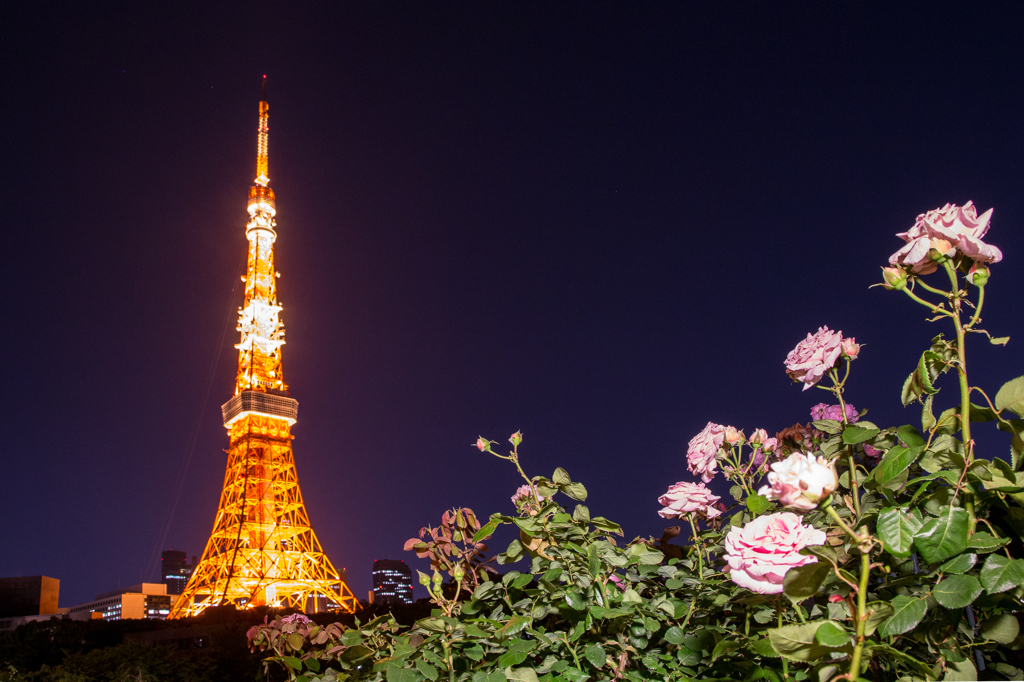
[262, 550]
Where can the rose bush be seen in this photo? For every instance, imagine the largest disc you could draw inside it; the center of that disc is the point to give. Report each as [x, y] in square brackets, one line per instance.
[849, 551]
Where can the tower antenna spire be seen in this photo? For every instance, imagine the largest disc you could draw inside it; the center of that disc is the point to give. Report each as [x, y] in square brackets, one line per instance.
[262, 160]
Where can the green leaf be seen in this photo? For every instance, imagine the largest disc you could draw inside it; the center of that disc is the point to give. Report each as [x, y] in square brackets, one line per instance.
[295, 641]
[922, 669]
[596, 655]
[511, 657]
[830, 426]
[514, 626]
[878, 613]
[576, 491]
[674, 635]
[910, 436]
[858, 434]
[573, 674]
[428, 671]
[944, 536]
[581, 514]
[959, 564]
[907, 613]
[798, 643]
[520, 674]
[999, 573]
[897, 528]
[999, 340]
[957, 591]
[560, 477]
[1011, 396]
[802, 582]
[832, 635]
[763, 647]
[986, 542]
[292, 662]
[963, 671]
[396, 674]
[575, 600]
[758, 504]
[1003, 628]
[724, 648]
[605, 525]
[487, 530]
[895, 461]
[688, 656]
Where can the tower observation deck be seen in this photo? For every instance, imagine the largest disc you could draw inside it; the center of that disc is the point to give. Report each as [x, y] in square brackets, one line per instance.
[262, 550]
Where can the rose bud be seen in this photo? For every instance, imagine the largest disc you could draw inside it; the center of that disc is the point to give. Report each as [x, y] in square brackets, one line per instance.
[733, 435]
[894, 278]
[850, 348]
[978, 274]
[516, 438]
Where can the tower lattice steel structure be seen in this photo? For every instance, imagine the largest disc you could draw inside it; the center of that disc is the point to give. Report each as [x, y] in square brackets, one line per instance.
[262, 550]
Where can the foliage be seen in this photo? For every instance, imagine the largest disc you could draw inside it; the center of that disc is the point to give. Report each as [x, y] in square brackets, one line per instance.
[907, 567]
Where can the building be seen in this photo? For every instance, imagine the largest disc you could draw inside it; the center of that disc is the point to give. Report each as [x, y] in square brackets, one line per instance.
[146, 600]
[28, 596]
[392, 582]
[175, 570]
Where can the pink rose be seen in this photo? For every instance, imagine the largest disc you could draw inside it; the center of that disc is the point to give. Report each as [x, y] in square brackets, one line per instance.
[688, 498]
[760, 437]
[814, 356]
[835, 412]
[800, 481]
[482, 444]
[894, 278]
[733, 435]
[523, 499]
[700, 454]
[761, 553]
[942, 232]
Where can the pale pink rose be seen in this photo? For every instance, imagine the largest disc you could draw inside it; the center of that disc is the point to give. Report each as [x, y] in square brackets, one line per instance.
[700, 454]
[733, 435]
[295, 618]
[688, 498]
[800, 481]
[943, 231]
[760, 437]
[761, 553]
[814, 356]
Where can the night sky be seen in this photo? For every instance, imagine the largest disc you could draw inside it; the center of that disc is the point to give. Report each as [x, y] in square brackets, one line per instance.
[605, 224]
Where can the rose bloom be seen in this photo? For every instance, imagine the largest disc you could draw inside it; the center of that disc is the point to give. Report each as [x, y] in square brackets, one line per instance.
[814, 356]
[834, 412]
[946, 230]
[688, 498]
[700, 453]
[800, 481]
[524, 496]
[761, 553]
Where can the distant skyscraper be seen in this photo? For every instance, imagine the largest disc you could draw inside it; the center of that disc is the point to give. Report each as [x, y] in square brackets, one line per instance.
[392, 582]
[29, 596]
[175, 570]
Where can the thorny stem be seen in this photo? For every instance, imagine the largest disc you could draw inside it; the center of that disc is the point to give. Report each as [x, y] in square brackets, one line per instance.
[697, 546]
[977, 310]
[572, 651]
[838, 390]
[931, 306]
[965, 389]
[778, 613]
[448, 659]
[862, 589]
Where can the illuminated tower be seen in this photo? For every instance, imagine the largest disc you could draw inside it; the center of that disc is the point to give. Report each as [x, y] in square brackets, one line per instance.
[262, 550]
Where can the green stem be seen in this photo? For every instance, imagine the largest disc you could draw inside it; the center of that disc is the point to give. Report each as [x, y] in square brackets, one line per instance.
[697, 546]
[931, 306]
[842, 524]
[778, 612]
[854, 488]
[965, 389]
[448, 659]
[862, 606]
[977, 311]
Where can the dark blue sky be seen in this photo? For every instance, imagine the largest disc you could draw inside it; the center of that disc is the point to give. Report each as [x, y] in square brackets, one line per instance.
[601, 223]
